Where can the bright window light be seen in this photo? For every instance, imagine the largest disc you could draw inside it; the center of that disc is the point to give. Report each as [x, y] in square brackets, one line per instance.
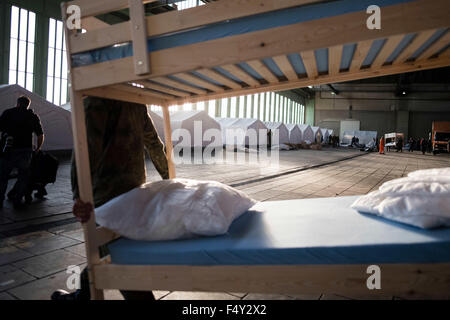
[57, 91]
[22, 45]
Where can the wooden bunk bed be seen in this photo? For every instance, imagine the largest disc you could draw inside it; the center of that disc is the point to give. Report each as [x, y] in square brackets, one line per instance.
[240, 47]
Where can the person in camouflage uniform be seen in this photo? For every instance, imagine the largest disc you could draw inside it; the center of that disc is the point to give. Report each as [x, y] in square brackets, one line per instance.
[118, 135]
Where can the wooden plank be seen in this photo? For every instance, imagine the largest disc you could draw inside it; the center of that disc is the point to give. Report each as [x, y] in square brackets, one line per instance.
[98, 7]
[123, 95]
[199, 82]
[139, 37]
[388, 47]
[212, 74]
[176, 21]
[441, 43]
[179, 85]
[415, 44]
[405, 280]
[324, 79]
[92, 23]
[285, 66]
[136, 90]
[397, 19]
[168, 140]
[309, 61]
[154, 86]
[335, 57]
[83, 170]
[240, 74]
[262, 69]
[361, 51]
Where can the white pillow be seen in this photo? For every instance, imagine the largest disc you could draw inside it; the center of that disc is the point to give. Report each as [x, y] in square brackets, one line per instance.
[174, 209]
[421, 199]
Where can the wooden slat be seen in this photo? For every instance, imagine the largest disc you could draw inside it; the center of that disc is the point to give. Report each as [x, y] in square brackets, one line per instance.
[441, 61]
[442, 42]
[179, 85]
[405, 280]
[139, 37]
[123, 95]
[397, 19]
[361, 51]
[154, 86]
[388, 47]
[415, 44]
[175, 21]
[240, 74]
[199, 82]
[335, 57]
[214, 75]
[285, 66]
[262, 69]
[137, 90]
[309, 61]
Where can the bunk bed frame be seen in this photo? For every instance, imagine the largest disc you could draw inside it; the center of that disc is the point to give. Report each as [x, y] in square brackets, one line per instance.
[176, 75]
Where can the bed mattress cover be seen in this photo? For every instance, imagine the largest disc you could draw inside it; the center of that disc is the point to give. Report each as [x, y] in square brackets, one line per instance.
[296, 232]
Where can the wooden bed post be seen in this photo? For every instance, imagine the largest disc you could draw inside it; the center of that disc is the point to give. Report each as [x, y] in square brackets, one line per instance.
[139, 36]
[83, 166]
[168, 140]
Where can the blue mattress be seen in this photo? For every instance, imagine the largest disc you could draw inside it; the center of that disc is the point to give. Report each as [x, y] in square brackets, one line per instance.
[308, 231]
[244, 25]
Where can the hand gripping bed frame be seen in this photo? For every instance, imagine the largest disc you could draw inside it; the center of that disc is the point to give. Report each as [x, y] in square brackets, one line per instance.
[240, 47]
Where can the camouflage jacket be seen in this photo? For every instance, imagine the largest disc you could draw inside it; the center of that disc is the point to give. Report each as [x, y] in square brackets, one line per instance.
[117, 133]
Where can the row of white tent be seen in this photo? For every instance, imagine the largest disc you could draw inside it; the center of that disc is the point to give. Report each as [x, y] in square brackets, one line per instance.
[231, 131]
[186, 131]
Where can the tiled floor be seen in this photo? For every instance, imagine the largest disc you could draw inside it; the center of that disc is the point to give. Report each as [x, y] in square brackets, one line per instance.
[38, 244]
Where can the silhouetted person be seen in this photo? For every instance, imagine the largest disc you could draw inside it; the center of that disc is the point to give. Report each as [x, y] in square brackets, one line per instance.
[411, 145]
[423, 145]
[17, 126]
[400, 145]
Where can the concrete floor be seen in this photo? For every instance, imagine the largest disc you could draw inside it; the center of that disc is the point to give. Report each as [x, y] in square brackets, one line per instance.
[37, 244]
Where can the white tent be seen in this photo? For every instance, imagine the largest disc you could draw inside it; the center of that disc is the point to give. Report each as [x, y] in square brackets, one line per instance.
[56, 121]
[158, 122]
[225, 123]
[317, 134]
[330, 132]
[247, 132]
[283, 133]
[295, 134]
[196, 125]
[325, 134]
[307, 133]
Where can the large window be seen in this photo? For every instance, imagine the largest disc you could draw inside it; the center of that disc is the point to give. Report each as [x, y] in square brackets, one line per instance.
[57, 64]
[21, 57]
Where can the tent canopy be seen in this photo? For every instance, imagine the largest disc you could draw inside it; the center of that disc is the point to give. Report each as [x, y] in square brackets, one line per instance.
[283, 132]
[317, 134]
[193, 128]
[295, 134]
[248, 132]
[56, 121]
[325, 134]
[307, 133]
